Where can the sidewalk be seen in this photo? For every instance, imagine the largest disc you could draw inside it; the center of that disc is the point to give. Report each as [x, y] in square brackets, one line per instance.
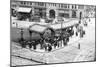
[87, 54]
[68, 52]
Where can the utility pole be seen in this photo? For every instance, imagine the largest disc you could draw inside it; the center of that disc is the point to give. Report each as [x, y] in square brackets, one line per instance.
[61, 31]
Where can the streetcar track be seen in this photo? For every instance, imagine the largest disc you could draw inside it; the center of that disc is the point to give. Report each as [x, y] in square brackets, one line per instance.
[29, 59]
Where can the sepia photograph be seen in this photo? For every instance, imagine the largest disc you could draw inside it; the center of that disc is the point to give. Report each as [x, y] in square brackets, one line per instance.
[44, 33]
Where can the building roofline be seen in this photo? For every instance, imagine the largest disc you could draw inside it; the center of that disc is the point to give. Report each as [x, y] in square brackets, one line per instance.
[52, 2]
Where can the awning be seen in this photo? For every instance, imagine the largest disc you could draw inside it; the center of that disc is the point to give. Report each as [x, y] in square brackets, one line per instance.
[63, 11]
[23, 9]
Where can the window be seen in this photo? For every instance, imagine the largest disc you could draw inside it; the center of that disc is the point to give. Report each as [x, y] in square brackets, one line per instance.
[61, 5]
[24, 3]
[72, 6]
[50, 4]
[30, 3]
[55, 4]
[75, 6]
[27, 3]
[65, 6]
[13, 5]
[68, 6]
[35, 3]
[21, 2]
[44, 4]
[38, 3]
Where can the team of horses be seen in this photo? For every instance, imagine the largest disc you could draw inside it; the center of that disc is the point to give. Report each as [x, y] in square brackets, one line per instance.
[49, 40]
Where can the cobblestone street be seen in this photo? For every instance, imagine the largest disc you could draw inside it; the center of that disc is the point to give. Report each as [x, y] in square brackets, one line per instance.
[70, 53]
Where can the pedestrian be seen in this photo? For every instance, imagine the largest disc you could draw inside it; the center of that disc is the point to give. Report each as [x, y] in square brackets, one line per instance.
[76, 33]
[30, 44]
[41, 43]
[49, 48]
[24, 44]
[85, 24]
[21, 42]
[45, 46]
[79, 46]
[55, 44]
[83, 32]
[89, 19]
[34, 46]
[79, 21]
[16, 25]
[64, 41]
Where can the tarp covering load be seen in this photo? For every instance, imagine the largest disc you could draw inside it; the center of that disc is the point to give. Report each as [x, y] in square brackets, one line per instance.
[41, 28]
[38, 28]
[64, 24]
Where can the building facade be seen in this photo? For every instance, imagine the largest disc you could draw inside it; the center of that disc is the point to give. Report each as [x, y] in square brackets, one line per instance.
[51, 10]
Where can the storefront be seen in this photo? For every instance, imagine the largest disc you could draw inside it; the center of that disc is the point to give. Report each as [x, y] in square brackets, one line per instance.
[24, 13]
[41, 12]
[64, 13]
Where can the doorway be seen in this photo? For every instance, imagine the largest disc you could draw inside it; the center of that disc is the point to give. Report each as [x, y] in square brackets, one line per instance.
[52, 14]
[73, 14]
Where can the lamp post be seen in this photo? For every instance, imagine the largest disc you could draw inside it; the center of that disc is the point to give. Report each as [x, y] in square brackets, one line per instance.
[22, 31]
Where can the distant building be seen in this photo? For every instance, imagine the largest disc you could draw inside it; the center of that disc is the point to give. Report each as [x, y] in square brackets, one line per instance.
[50, 10]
